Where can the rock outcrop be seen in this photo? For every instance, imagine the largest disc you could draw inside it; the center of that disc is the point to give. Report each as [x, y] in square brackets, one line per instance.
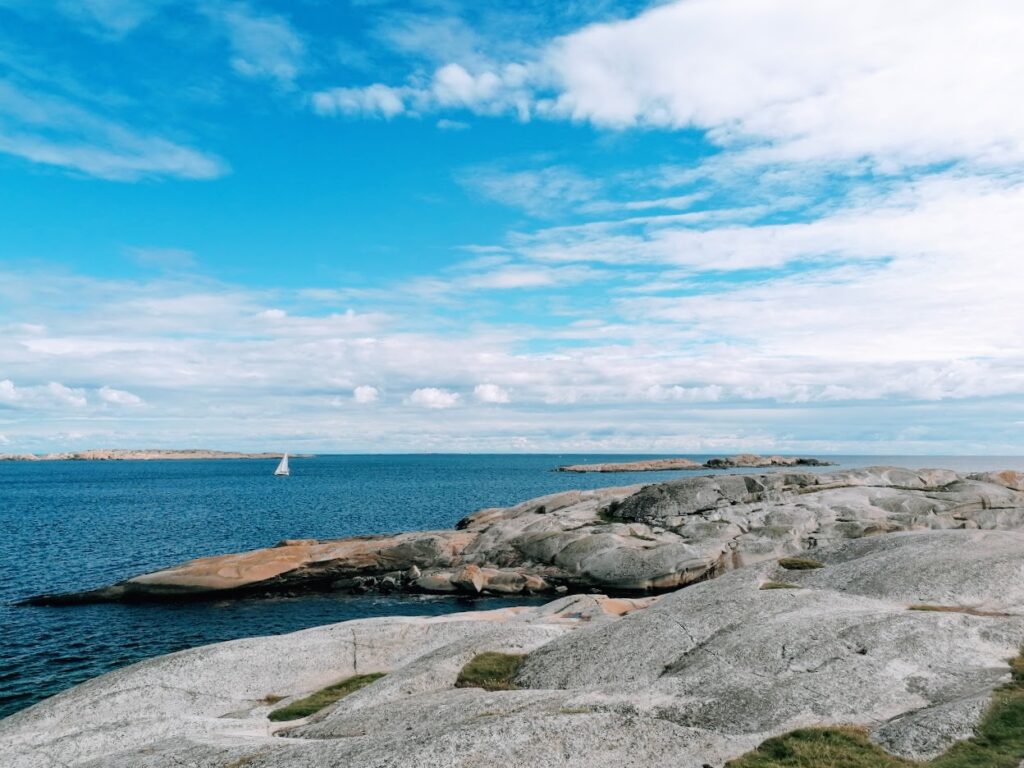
[628, 539]
[130, 454]
[746, 460]
[691, 678]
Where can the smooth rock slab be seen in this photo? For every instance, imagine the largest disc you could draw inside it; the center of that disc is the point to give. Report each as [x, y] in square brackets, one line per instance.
[698, 676]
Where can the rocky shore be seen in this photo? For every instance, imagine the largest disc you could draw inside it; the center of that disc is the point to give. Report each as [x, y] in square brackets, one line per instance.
[745, 460]
[634, 539]
[125, 454]
[905, 635]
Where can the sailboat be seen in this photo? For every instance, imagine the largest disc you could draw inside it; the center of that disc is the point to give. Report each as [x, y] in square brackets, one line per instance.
[282, 468]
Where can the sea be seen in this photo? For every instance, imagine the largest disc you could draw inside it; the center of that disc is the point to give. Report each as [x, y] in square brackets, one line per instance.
[73, 525]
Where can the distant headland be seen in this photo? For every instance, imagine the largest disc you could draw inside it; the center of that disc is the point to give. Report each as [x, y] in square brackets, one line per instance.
[129, 454]
[728, 462]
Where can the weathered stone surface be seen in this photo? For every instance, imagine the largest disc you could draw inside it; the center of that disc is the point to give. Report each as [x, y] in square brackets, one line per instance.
[729, 462]
[690, 678]
[215, 696]
[633, 538]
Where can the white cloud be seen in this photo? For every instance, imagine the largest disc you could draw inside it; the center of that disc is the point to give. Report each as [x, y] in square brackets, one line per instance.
[47, 129]
[445, 124]
[8, 392]
[431, 397]
[364, 393]
[110, 19]
[910, 83]
[542, 192]
[115, 17]
[491, 393]
[264, 45]
[371, 101]
[118, 396]
[66, 395]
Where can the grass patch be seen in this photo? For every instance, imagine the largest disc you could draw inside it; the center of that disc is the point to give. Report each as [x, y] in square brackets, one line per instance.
[800, 563]
[324, 697]
[490, 671]
[780, 585]
[272, 698]
[998, 741]
[955, 609]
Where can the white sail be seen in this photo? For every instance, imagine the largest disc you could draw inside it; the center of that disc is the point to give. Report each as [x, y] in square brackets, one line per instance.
[282, 468]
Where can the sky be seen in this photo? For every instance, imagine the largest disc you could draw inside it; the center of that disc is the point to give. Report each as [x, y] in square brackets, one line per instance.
[701, 226]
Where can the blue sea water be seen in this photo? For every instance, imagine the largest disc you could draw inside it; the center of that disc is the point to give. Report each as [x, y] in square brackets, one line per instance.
[75, 525]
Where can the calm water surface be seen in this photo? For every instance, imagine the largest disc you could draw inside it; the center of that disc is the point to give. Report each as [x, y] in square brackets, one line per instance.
[75, 525]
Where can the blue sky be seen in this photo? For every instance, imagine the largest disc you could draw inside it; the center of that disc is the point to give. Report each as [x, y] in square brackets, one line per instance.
[612, 226]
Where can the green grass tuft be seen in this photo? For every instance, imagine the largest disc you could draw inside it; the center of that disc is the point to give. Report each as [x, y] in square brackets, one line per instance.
[819, 748]
[780, 585]
[490, 671]
[800, 563]
[324, 697]
[998, 741]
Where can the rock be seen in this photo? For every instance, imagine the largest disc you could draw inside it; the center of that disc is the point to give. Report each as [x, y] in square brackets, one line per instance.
[695, 677]
[469, 578]
[646, 465]
[753, 460]
[635, 538]
[661, 465]
[1007, 478]
[128, 454]
[437, 581]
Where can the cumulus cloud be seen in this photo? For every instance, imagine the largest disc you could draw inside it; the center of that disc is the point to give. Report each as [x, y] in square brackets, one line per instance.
[902, 84]
[118, 396]
[828, 79]
[8, 392]
[372, 101]
[432, 397]
[364, 393]
[491, 393]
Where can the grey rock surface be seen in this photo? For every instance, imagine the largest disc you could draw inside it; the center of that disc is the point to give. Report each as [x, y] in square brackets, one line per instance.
[628, 539]
[696, 676]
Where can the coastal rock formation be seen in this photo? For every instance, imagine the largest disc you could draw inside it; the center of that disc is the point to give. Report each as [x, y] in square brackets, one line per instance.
[746, 460]
[628, 539]
[125, 454]
[645, 465]
[691, 678]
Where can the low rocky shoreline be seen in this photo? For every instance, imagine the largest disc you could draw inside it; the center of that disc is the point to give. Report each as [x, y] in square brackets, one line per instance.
[125, 454]
[743, 460]
[632, 539]
[886, 600]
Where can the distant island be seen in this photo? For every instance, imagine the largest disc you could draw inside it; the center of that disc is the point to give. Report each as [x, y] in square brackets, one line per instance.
[728, 462]
[128, 454]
